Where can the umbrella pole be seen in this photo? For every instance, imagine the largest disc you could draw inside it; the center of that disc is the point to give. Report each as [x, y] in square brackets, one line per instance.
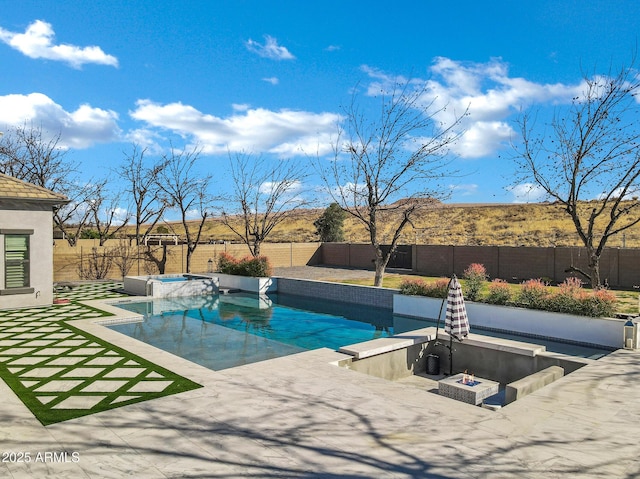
[450, 355]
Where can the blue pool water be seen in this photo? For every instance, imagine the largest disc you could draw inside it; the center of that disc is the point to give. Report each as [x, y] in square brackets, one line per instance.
[171, 279]
[225, 331]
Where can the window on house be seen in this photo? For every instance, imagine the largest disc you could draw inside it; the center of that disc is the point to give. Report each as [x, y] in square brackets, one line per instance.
[16, 256]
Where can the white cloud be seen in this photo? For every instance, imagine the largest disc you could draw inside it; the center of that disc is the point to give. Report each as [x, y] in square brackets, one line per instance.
[464, 189]
[269, 187]
[270, 49]
[37, 42]
[618, 192]
[283, 132]
[486, 90]
[192, 214]
[272, 80]
[120, 215]
[482, 138]
[527, 193]
[146, 138]
[81, 128]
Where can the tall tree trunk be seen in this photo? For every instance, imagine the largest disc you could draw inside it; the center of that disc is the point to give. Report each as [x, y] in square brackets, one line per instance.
[381, 264]
[594, 271]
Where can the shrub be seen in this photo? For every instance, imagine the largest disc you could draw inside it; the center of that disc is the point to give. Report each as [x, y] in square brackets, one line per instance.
[227, 263]
[571, 298]
[534, 294]
[475, 276]
[499, 292]
[600, 303]
[419, 287]
[257, 267]
[249, 266]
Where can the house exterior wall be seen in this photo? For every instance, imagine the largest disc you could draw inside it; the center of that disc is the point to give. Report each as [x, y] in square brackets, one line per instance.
[36, 217]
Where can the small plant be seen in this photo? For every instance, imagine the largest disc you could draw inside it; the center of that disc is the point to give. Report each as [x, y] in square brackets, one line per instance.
[95, 265]
[419, 287]
[499, 292]
[475, 276]
[256, 267]
[534, 294]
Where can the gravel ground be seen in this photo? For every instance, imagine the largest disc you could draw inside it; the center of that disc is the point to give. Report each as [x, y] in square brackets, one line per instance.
[328, 273]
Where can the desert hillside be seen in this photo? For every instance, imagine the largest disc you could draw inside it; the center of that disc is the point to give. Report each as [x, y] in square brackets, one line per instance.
[540, 224]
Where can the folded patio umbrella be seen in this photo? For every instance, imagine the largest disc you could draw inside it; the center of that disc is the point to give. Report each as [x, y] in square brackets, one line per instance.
[456, 322]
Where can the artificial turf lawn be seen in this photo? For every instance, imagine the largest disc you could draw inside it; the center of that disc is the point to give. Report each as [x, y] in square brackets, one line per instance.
[60, 372]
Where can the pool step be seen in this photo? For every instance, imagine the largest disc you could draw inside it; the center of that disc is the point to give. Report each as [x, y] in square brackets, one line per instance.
[229, 290]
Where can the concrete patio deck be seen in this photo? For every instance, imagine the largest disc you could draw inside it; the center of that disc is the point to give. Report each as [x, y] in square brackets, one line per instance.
[301, 416]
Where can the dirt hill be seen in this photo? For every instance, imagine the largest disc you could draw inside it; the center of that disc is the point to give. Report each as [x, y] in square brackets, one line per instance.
[540, 224]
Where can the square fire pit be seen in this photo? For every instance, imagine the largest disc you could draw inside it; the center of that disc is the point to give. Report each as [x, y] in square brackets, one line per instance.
[471, 393]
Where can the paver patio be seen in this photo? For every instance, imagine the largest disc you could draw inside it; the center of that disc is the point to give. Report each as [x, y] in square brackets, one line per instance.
[301, 416]
[61, 372]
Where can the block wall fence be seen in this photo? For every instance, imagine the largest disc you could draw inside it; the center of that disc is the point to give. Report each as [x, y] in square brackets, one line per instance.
[67, 259]
[620, 267]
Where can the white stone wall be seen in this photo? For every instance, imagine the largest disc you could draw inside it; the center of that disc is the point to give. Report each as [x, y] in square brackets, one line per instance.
[41, 256]
[567, 327]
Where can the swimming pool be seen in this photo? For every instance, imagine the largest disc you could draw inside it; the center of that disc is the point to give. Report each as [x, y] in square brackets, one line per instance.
[224, 331]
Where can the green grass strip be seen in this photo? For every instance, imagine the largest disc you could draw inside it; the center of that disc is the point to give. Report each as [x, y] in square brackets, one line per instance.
[61, 372]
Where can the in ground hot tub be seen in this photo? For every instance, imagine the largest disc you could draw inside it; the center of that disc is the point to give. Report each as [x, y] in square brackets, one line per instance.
[168, 285]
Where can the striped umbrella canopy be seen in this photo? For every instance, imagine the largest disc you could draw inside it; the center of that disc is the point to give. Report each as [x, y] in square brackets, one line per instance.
[456, 322]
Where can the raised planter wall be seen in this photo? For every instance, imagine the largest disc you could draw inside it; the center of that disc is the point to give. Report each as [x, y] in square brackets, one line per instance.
[349, 293]
[566, 327]
[245, 283]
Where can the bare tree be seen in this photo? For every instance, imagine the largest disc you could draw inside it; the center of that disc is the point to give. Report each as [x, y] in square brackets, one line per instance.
[74, 217]
[263, 197]
[188, 192]
[142, 186]
[103, 211]
[587, 158]
[124, 256]
[387, 168]
[96, 264]
[31, 154]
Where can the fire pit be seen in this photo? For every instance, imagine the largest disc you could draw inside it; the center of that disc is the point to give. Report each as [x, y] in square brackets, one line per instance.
[467, 389]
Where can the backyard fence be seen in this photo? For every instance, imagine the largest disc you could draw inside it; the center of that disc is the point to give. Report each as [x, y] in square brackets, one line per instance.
[88, 260]
[620, 267]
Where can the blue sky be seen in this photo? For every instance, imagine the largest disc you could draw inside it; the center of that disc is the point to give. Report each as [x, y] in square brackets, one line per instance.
[271, 77]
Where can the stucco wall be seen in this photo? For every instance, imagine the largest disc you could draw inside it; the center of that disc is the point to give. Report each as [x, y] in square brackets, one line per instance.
[41, 255]
[67, 259]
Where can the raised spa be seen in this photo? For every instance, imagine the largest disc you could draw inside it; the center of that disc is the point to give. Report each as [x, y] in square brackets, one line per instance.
[170, 285]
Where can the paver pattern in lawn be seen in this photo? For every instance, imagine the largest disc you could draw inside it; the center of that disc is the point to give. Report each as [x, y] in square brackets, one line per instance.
[61, 372]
